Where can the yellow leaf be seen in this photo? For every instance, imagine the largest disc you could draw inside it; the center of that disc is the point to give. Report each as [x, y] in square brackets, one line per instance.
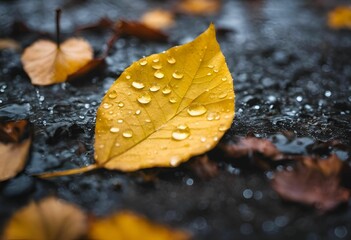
[158, 19]
[340, 17]
[15, 142]
[46, 63]
[165, 108]
[48, 219]
[128, 226]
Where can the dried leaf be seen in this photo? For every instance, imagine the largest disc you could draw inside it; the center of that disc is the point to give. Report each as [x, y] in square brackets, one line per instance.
[158, 19]
[46, 63]
[6, 43]
[203, 167]
[199, 7]
[48, 219]
[166, 108]
[340, 17]
[313, 183]
[15, 142]
[245, 147]
[128, 226]
[140, 30]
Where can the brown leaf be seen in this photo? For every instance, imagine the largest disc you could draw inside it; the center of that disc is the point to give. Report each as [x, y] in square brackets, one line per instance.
[158, 19]
[47, 63]
[330, 166]
[313, 182]
[48, 219]
[15, 142]
[203, 167]
[140, 30]
[246, 147]
[340, 17]
[7, 43]
[199, 7]
[103, 23]
[128, 226]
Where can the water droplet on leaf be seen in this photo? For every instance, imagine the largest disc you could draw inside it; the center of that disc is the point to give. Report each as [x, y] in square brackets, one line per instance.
[158, 74]
[172, 100]
[127, 133]
[155, 87]
[112, 94]
[177, 75]
[181, 132]
[196, 110]
[145, 98]
[166, 90]
[114, 130]
[171, 60]
[138, 85]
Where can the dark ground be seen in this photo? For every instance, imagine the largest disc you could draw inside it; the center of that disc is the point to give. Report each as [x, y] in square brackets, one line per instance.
[291, 73]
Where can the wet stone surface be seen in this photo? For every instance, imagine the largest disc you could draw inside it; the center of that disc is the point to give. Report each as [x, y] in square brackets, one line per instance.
[292, 74]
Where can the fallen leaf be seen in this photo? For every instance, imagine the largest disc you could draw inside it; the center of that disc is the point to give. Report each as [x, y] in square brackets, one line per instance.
[340, 17]
[48, 219]
[128, 226]
[199, 7]
[330, 166]
[312, 183]
[248, 146]
[15, 142]
[165, 108]
[6, 43]
[203, 167]
[158, 19]
[140, 30]
[46, 63]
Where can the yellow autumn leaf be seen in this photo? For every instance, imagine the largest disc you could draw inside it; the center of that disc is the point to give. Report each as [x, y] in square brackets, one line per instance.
[340, 17]
[166, 107]
[48, 219]
[128, 226]
[47, 63]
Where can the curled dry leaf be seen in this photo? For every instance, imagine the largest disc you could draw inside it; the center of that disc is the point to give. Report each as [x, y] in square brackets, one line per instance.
[48, 219]
[158, 19]
[47, 63]
[199, 7]
[6, 43]
[128, 226]
[166, 108]
[340, 17]
[140, 30]
[15, 142]
[313, 182]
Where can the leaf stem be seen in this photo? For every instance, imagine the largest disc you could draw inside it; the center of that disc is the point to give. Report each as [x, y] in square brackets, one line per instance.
[58, 30]
[67, 172]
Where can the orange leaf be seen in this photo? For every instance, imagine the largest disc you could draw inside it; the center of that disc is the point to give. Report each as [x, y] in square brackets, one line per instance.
[46, 63]
[48, 219]
[340, 17]
[158, 19]
[14, 146]
[199, 7]
[128, 226]
[313, 182]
